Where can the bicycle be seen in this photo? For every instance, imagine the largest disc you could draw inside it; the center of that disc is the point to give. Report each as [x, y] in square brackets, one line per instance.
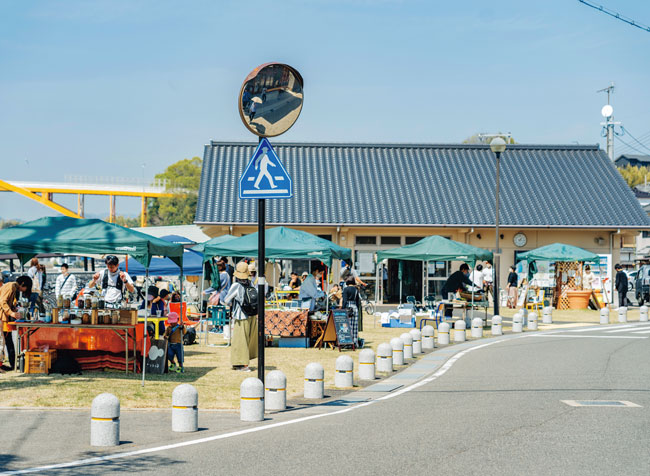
[367, 305]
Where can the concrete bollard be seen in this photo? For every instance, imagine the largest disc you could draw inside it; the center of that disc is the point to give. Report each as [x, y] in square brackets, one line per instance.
[443, 333]
[427, 338]
[459, 331]
[105, 420]
[532, 321]
[384, 358]
[622, 314]
[477, 328]
[407, 339]
[367, 364]
[604, 315]
[497, 328]
[417, 341]
[398, 350]
[275, 393]
[185, 408]
[517, 325]
[547, 315]
[344, 376]
[643, 314]
[251, 403]
[314, 380]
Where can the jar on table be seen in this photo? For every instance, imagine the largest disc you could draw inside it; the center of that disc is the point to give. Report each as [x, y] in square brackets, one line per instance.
[80, 304]
[85, 318]
[59, 301]
[100, 303]
[66, 315]
[89, 302]
[94, 302]
[101, 317]
[66, 303]
[115, 317]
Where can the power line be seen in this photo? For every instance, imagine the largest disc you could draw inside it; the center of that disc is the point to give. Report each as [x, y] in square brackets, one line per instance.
[618, 16]
[631, 146]
[635, 139]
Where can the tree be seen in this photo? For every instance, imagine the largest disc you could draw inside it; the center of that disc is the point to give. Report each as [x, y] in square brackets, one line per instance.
[634, 175]
[182, 180]
[126, 221]
[9, 223]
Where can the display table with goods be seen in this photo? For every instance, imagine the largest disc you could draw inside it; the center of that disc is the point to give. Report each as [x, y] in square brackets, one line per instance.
[97, 338]
[289, 325]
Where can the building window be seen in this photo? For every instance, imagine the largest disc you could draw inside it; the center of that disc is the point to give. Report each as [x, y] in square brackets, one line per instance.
[413, 239]
[366, 240]
[645, 234]
[326, 237]
[390, 240]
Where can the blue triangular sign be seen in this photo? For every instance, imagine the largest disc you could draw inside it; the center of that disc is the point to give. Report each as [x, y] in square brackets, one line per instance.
[265, 176]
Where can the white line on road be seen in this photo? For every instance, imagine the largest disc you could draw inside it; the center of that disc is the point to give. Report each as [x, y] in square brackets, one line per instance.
[588, 337]
[99, 459]
[641, 332]
[620, 329]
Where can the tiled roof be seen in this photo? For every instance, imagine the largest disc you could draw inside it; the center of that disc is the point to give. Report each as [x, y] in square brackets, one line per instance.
[428, 185]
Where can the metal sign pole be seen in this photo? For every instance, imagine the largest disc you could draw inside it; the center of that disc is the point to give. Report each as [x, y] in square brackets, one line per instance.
[261, 248]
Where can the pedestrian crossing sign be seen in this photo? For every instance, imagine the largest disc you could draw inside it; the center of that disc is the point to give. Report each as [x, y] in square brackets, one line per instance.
[265, 176]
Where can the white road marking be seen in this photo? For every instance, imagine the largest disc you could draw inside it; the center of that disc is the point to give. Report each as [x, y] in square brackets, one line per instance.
[641, 332]
[157, 449]
[588, 337]
[620, 329]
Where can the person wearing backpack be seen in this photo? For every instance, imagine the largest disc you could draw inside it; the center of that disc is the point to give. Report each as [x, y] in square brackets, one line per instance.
[112, 281]
[242, 299]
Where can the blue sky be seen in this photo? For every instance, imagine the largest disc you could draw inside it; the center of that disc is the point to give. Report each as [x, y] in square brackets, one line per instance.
[102, 87]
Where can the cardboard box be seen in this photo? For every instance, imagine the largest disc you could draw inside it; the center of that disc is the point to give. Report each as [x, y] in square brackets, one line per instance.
[128, 317]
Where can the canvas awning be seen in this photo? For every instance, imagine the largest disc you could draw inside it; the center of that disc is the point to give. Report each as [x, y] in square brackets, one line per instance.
[437, 248]
[214, 241]
[556, 252]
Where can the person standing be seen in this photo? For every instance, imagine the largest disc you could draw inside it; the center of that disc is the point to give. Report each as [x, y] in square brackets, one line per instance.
[112, 281]
[8, 312]
[588, 279]
[477, 276]
[456, 281]
[224, 280]
[244, 335]
[352, 301]
[512, 288]
[36, 275]
[66, 283]
[621, 285]
[251, 111]
[488, 278]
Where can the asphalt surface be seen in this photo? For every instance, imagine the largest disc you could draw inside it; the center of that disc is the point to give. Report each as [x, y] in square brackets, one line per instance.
[496, 409]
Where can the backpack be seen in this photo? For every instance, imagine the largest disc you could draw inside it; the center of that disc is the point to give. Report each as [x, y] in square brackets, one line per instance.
[249, 303]
[119, 284]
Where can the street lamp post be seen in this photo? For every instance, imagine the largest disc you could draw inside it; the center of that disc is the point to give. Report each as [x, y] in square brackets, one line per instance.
[497, 145]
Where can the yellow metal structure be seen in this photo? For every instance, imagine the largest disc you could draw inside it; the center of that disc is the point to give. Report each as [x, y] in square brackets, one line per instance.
[43, 193]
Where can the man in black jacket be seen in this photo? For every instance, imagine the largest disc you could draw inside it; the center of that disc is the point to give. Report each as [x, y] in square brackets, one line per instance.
[455, 282]
[621, 285]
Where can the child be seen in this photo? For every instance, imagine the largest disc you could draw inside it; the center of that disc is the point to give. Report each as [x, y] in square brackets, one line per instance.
[174, 334]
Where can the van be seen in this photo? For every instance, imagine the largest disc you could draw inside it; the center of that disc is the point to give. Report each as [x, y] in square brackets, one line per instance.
[642, 284]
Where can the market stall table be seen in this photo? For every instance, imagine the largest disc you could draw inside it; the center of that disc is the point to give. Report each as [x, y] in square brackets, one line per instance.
[287, 323]
[29, 328]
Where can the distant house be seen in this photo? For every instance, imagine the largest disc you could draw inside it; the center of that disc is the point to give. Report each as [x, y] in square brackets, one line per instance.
[632, 159]
[370, 197]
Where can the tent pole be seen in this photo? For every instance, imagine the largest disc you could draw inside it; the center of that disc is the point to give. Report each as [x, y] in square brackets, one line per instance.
[146, 314]
[202, 288]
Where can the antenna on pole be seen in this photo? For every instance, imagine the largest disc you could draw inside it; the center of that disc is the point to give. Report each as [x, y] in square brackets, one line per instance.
[609, 90]
[608, 113]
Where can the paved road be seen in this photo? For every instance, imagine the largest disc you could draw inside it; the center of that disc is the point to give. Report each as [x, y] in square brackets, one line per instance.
[498, 410]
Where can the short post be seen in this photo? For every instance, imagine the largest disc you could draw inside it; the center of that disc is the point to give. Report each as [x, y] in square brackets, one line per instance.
[397, 345]
[532, 321]
[367, 364]
[443, 333]
[427, 337]
[459, 331]
[314, 380]
[185, 408]
[105, 420]
[643, 314]
[417, 341]
[524, 316]
[622, 314]
[251, 406]
[275, 391]
[547, 315]
[407, 339]
[517, 325]
[477, 328]
[604, 315]
[344, 376]
[385, 358]
[497, 329]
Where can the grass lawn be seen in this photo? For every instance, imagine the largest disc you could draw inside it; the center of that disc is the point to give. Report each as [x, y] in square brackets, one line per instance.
[207, 368]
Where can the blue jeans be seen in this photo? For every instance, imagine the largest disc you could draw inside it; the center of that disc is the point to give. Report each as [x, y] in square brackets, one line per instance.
[33, 298]
[175, 350]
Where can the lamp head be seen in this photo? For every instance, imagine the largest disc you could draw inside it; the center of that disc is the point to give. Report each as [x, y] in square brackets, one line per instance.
[498, 145]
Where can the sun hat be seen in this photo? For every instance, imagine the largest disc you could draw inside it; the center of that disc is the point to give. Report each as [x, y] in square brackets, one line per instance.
[305, 273]
[252, 268]
[241, 271]
[172, 318]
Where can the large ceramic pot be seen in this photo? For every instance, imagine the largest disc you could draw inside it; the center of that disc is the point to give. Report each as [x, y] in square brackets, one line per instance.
[578, 299]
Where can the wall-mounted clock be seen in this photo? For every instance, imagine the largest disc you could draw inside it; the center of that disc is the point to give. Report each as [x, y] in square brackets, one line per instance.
[520, 239]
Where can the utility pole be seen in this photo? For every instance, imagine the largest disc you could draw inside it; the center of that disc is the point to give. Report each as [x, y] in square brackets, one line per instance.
[608, 113]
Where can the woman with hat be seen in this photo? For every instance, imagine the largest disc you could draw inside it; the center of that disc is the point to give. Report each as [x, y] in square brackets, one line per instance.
[244, 333]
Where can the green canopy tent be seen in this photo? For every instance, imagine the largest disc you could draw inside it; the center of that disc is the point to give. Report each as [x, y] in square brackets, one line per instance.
[87, 236]
[281, 243]
[214, 274]
[559, 252]
[214, 241]
[436, 248]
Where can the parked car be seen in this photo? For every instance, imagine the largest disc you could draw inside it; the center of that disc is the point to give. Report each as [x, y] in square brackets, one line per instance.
[631, 279]
[642, 284]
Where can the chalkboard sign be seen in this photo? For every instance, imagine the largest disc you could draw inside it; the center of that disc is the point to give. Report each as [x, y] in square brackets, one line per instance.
[156, 358]
[342, 326]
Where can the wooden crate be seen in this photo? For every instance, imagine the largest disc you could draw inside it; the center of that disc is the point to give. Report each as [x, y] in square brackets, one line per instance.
[38, 362]
[128, 316]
